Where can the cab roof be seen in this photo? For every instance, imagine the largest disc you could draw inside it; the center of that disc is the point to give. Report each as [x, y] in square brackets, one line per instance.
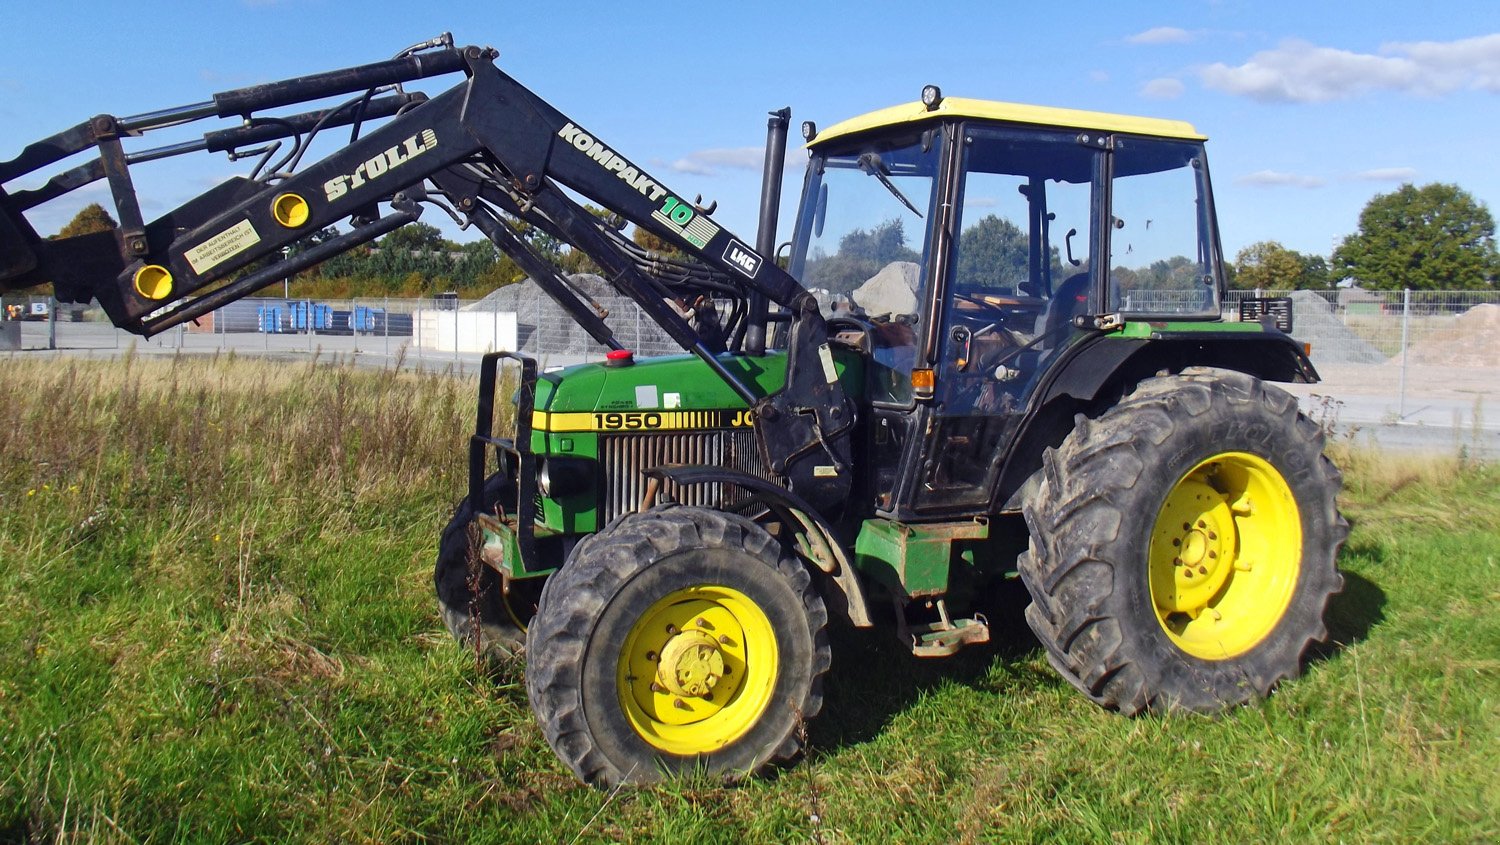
[960, 107]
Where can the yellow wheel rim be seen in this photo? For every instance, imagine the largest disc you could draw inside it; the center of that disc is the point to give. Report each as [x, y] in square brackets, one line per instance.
[1226, 550]
[697, 670]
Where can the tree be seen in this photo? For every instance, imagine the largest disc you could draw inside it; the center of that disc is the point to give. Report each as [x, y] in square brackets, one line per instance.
[416, 237]
[93, 218]
[1267, 265]
[1436, 237]
[861, 255]
[995, 253]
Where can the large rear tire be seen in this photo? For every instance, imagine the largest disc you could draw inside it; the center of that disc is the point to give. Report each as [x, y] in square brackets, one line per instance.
[1183, 545]
[677, 640]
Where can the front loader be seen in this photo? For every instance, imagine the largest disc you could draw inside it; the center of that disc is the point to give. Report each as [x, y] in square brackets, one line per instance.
[995, 348]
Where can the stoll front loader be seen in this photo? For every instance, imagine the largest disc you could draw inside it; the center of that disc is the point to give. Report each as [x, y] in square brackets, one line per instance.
[997, 328]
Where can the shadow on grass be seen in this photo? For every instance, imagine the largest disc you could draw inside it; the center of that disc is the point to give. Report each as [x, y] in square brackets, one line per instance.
[1351, 615]
[875, 676]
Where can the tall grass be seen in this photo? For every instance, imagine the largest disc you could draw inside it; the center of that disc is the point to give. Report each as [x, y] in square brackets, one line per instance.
[217, 625]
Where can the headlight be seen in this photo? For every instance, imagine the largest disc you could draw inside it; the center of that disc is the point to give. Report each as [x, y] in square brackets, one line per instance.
[559, 476]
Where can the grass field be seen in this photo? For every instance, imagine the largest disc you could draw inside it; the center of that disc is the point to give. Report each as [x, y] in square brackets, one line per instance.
[218, 626]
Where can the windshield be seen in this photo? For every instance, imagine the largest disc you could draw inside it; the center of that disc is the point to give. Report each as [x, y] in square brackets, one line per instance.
[861, 232]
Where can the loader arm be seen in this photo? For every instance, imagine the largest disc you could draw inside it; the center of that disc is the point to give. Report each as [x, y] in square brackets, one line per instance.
[485, 148]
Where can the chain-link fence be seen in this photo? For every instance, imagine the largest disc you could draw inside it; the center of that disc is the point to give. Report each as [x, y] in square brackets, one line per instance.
[1426, 357]
[436, 329]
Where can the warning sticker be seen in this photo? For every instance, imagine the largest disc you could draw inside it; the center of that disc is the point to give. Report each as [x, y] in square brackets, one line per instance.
[829, 371]
[222, 247]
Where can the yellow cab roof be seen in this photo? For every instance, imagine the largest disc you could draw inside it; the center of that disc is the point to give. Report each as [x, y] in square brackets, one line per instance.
[960, 107]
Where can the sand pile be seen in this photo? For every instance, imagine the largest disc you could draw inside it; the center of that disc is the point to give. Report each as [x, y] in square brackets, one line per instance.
[1315, 322]
[1472, 339]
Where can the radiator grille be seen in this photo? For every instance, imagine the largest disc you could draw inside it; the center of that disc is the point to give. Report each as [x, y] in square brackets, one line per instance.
[627, 456]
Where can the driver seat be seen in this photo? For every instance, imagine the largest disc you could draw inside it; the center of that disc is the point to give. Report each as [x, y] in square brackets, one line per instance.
[1070, 300]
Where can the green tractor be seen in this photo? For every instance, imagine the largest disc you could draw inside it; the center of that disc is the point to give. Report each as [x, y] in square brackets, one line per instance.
[673, 594]
[995, 347]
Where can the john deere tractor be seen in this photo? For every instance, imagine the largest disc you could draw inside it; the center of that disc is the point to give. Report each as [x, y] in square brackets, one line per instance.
[996, 328]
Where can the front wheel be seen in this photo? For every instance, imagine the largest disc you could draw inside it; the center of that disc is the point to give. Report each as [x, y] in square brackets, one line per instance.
[1183, 545]
[676, 640]
[471, 598]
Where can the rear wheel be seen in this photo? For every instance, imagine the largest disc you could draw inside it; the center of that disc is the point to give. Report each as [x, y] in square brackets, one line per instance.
[1183, 545]
[677, 640]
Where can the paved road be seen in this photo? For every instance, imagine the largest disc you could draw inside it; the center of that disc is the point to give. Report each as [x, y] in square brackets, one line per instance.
[1423, 408]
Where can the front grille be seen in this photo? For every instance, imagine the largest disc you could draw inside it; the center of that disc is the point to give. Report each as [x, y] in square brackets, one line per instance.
[627, 456]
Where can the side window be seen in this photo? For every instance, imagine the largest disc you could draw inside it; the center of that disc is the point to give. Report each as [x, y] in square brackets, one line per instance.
[1160, 239]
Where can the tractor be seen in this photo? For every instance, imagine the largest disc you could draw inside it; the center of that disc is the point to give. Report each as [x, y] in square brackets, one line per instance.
[993, 346]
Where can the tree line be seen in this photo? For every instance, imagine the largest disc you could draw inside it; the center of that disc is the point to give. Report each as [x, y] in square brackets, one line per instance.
[1433, 237]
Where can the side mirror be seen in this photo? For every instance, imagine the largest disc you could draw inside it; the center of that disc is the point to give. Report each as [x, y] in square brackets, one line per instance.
[820, 213]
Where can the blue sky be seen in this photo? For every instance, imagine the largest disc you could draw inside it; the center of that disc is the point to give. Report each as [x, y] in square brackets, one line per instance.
[1311, 108]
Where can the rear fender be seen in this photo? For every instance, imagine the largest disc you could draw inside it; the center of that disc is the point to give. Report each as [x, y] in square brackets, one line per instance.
[1099, 372]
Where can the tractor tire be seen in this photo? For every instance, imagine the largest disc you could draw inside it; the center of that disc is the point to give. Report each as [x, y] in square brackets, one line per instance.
[501, 621]
[678, 640]
[1183, 545]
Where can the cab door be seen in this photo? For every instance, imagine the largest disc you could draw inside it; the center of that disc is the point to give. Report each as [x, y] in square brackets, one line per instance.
[1021, 249]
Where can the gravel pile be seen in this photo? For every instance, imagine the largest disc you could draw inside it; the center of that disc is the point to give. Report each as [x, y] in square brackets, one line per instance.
[543, 327]
[1315, 322]
[1473, 340]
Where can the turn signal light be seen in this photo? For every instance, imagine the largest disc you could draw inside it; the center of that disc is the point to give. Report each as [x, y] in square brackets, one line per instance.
[923, 382]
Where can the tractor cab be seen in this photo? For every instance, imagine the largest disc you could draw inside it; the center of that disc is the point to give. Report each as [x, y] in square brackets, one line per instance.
[963, 244]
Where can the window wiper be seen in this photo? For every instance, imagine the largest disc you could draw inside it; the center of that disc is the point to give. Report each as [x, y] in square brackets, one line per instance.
[871, 164]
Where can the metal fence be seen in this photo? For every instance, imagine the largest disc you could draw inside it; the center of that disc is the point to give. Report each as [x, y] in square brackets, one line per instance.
[1381, 332]
[1411, 365]
[434, 330]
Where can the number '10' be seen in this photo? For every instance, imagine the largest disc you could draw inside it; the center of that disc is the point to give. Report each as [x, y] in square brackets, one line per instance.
[677, 211]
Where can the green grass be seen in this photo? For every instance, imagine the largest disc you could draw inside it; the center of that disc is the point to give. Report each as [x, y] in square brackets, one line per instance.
[218, 626]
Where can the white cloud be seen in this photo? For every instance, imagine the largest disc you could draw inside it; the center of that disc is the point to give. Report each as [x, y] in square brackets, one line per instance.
[1165, 88]
[1386, 174]
[1098, 76]
[1278, 179]
[1161, 35]
[710, 162]
[980, 202]
[1300, 72]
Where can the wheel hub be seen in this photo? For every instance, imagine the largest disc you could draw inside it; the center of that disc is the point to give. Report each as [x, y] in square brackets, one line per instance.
[1200, 524]
[697, 669]
[691, 664]
[1222, 568]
